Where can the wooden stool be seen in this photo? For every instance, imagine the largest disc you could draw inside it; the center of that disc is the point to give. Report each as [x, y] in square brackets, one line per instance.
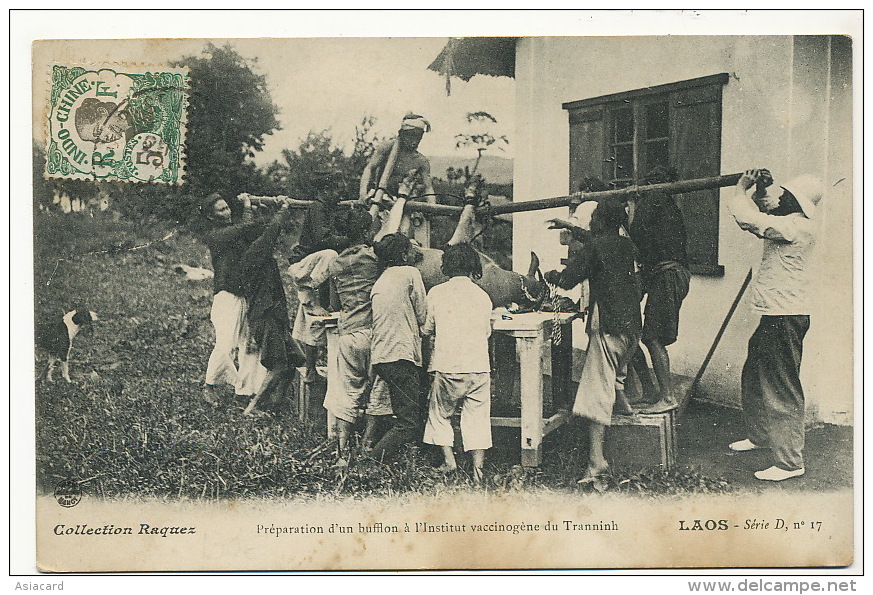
[642, 441]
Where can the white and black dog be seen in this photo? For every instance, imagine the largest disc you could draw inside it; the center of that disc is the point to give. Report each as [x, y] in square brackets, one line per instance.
[55, 337]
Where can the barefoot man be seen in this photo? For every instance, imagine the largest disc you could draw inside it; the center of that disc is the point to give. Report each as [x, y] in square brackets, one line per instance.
[608, 261]
[390, 163]
[658, 231]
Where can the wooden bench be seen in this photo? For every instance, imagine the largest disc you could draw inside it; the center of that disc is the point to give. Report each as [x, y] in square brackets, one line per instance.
[541, 371]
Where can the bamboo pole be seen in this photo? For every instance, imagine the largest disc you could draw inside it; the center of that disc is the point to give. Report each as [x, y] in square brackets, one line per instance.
[671, 187]
[296, 203]
[679, 187]
[690, 392]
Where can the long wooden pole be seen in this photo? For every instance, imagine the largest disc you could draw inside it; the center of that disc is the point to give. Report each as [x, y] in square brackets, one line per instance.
[672, 187]
[549, 203]
[687, 396]
[386, 175]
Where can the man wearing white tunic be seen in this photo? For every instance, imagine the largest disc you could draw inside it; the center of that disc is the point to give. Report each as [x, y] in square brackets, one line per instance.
[772, 396]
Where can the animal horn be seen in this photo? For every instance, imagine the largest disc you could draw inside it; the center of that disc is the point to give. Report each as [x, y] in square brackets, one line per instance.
[534, 267]
[533, 284]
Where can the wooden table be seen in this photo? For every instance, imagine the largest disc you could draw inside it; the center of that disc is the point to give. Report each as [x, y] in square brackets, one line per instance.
[531, 333]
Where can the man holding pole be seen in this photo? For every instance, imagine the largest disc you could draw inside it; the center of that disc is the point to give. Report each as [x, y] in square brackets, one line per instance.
[772, 396]
[319, 244]
[658, 231]
[391, 162]
[608, 261]
[229, 244]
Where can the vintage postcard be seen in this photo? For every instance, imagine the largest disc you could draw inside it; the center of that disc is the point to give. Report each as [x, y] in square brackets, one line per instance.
[547, 301]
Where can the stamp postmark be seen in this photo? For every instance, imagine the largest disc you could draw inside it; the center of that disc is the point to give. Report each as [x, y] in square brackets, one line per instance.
[68, 493]
[110, 125]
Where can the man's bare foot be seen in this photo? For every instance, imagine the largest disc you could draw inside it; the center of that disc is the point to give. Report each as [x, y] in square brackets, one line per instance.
[477, 476]
[622, 407]
[645, 399]
[660, 406]
[593, 473]
[446, 468]
[341, 464]
[211, 395]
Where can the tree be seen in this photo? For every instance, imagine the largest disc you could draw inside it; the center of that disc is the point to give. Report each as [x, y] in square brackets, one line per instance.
[79, 192]
[479, 138]
[319, 152]
[364, 146]
[230, 111]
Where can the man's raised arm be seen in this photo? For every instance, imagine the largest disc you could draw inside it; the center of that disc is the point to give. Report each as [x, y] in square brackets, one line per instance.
[750, 218]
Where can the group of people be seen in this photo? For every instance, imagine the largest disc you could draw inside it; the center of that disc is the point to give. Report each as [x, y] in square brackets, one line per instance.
[360, 262]
[625, 250]
[384, 314]
[636, 249]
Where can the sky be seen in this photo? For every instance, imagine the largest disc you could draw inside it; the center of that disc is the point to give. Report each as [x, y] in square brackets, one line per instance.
[333, 83]
[328, 84]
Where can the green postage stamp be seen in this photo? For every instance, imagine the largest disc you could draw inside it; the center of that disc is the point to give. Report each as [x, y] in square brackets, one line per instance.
[109, 125]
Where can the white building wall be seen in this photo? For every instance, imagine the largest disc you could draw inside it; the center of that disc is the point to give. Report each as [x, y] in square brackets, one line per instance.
[785, 107]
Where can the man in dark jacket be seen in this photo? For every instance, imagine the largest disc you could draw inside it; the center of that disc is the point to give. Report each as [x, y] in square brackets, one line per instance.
[658, 231]
[267, 311]
[319, 230]
[608, 261]
[230, 246]
[319, 244]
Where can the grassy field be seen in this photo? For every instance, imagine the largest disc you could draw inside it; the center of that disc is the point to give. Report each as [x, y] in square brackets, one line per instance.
[133, 422]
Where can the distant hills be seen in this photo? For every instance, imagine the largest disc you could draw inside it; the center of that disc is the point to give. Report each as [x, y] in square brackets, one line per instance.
[496, 170]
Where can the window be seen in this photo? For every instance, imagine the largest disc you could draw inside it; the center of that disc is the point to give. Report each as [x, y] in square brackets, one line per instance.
[619, 138]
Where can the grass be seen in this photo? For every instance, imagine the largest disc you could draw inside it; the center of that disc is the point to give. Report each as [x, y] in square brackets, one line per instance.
[134, 423]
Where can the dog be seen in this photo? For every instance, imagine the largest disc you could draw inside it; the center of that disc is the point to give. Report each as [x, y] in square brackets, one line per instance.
[55, 338]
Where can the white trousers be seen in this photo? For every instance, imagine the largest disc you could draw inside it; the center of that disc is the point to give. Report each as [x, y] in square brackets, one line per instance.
[473, 391]
[232, 338]
[308, 275]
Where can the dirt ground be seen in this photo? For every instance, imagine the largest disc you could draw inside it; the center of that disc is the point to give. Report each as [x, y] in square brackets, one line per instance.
[705, 430]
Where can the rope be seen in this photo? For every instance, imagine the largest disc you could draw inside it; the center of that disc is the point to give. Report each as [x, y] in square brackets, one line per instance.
[485, 205]
[108, 251]
[557, 332]
[526, 293]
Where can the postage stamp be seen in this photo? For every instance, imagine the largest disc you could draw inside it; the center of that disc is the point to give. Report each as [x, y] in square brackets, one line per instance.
[109, 125]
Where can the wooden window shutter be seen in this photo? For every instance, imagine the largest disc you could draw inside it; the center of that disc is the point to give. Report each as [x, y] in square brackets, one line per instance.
[586, 145]
[696, 153]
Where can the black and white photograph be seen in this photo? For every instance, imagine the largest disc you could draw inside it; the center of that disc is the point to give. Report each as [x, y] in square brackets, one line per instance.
[437, 291]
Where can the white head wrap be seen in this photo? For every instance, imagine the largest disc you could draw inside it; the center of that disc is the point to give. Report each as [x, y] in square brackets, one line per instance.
[808, 190]
[412, 121]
